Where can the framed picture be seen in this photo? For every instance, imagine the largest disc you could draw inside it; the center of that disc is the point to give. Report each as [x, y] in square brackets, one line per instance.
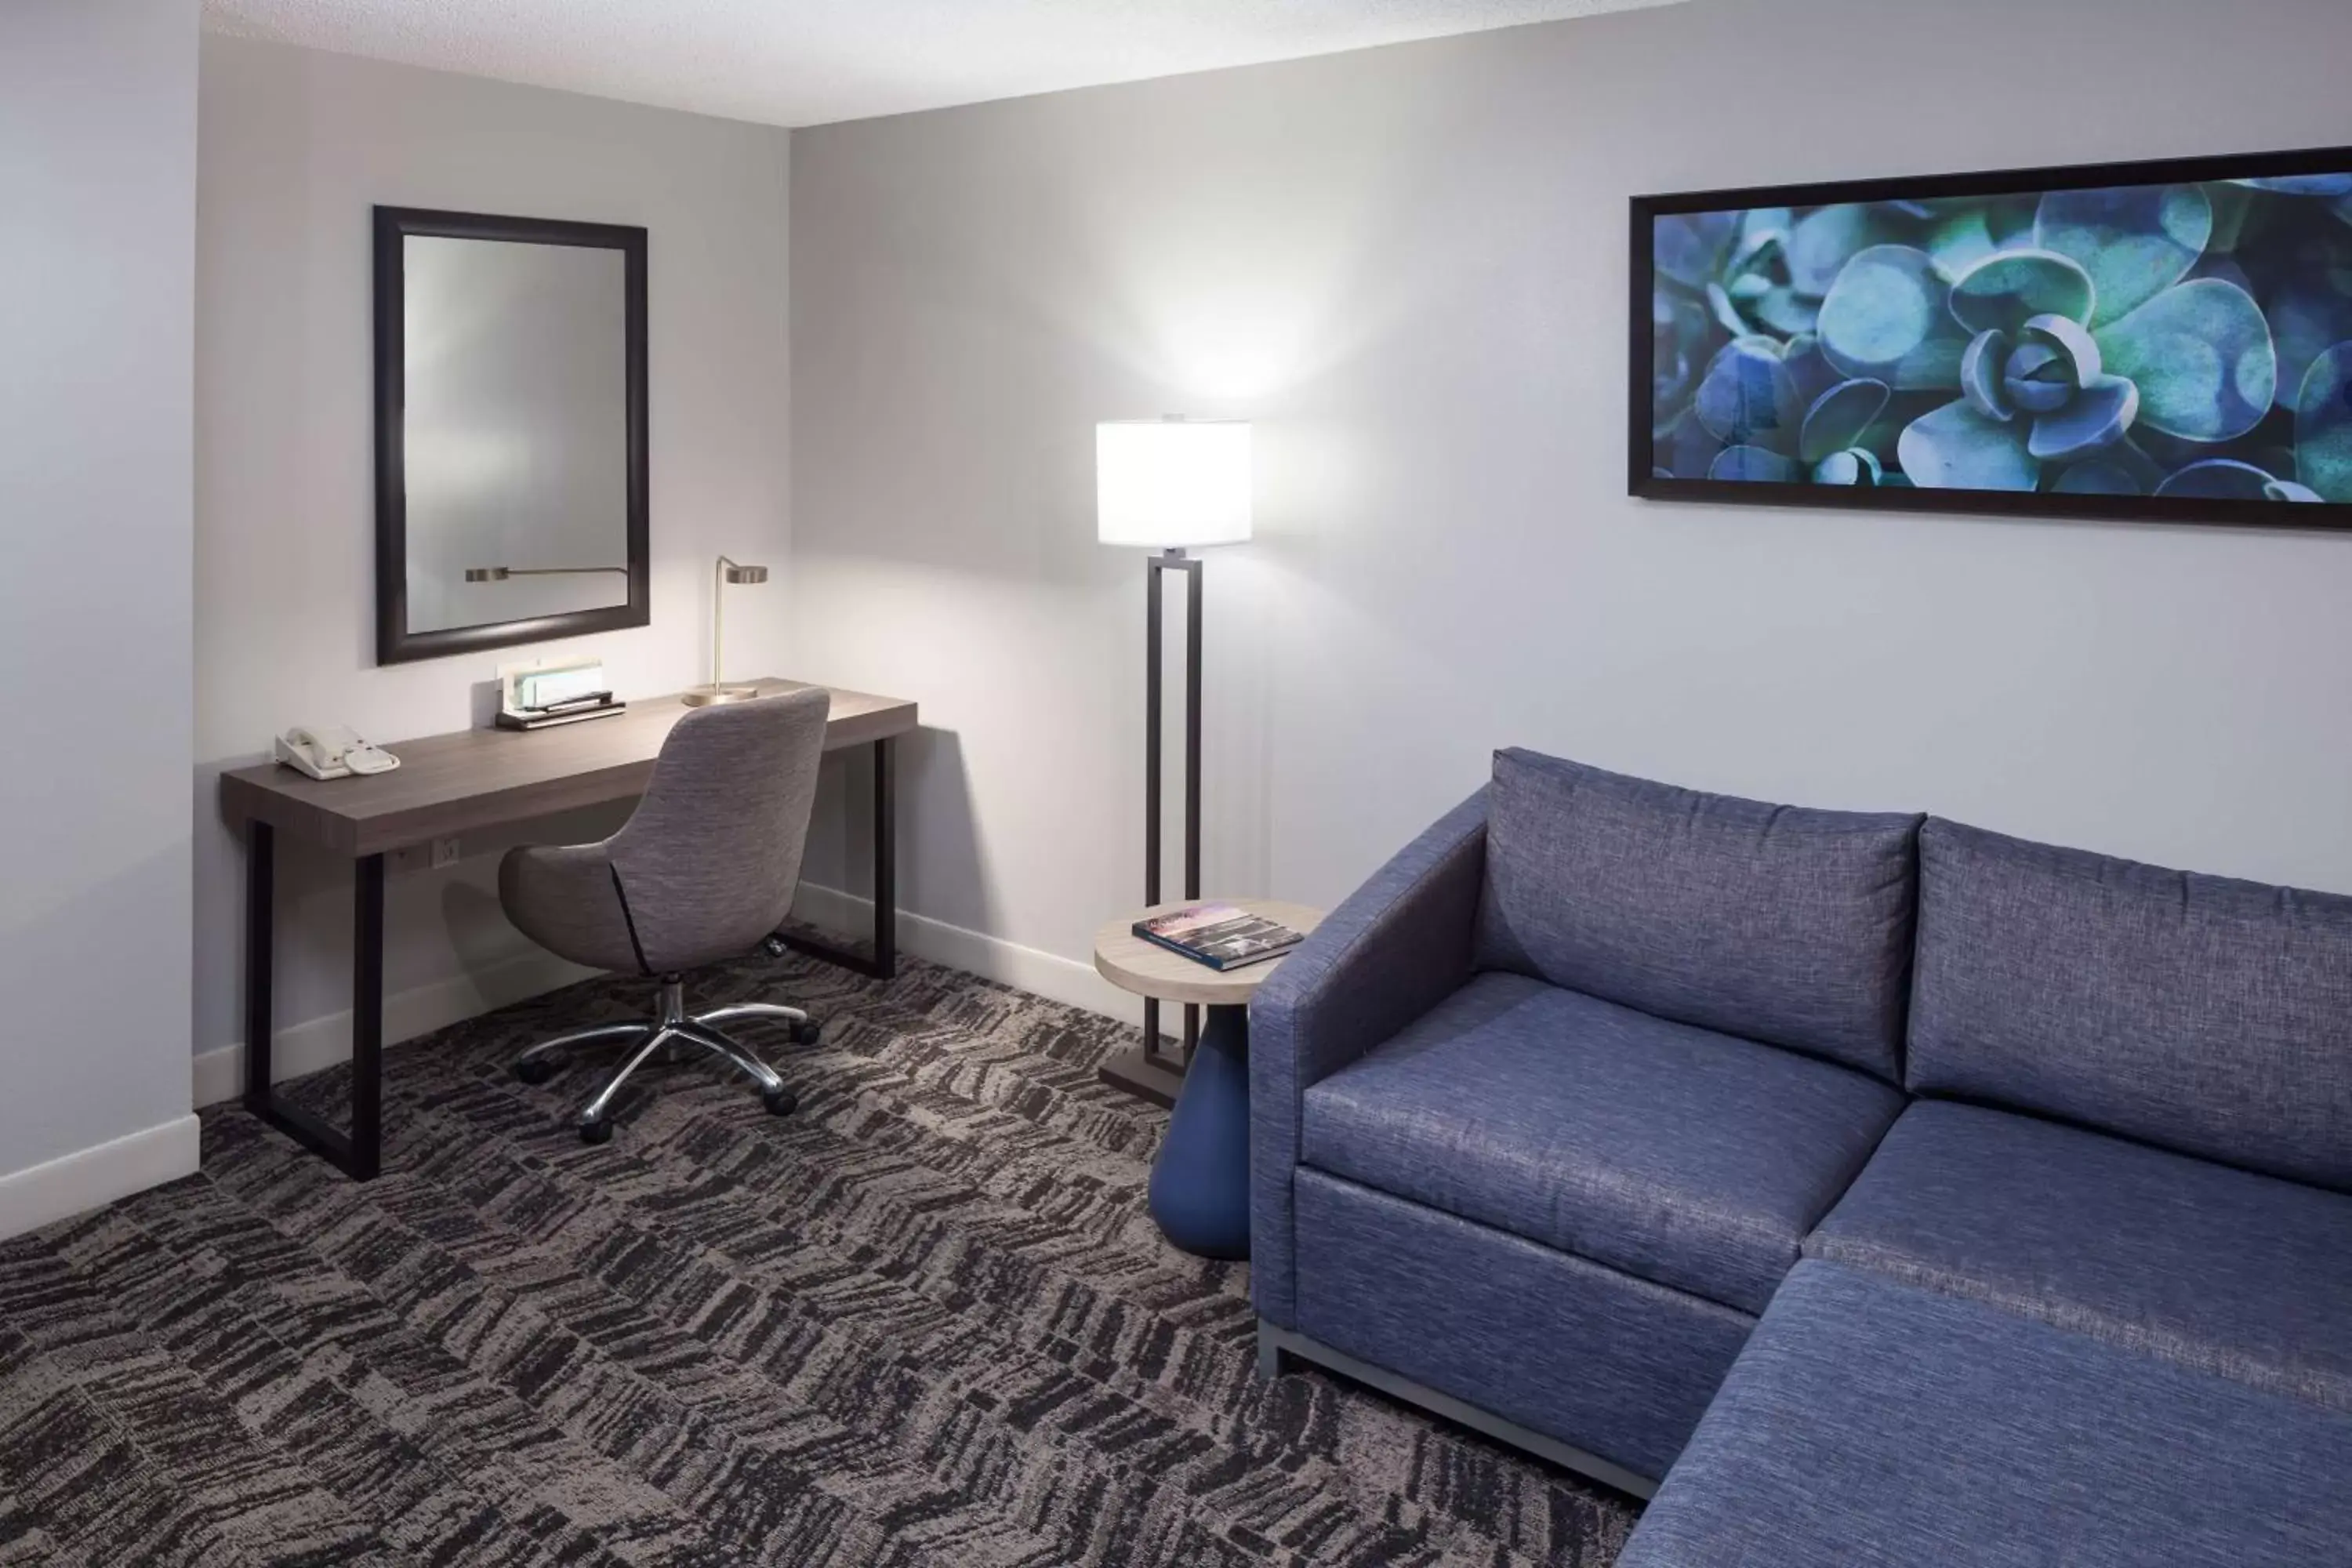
[2163, 342]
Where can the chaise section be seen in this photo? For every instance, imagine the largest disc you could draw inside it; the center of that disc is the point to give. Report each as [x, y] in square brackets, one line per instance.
[1872, 1425]
[1577, 1353]
[1683, 1156]
[2217, 1269]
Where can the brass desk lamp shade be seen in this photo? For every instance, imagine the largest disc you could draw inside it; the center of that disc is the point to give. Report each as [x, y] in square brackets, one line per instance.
[719, 690]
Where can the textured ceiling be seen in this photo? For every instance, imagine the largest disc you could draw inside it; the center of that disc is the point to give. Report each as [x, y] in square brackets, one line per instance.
[808, 62]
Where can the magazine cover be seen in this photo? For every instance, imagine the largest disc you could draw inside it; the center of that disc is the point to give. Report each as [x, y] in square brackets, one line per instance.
[1219, 935]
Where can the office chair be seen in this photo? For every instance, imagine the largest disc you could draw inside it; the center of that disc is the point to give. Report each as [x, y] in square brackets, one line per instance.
[704, 870]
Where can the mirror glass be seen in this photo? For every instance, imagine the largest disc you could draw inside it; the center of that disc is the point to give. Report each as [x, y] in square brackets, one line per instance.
[516, 432]
[515, 511]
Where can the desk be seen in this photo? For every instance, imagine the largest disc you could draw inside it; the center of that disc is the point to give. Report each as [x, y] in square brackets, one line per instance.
[451, 785]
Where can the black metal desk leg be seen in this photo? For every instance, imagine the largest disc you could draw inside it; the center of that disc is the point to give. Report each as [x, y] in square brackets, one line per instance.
[367, 1020]
[886, 858]
[882, 963]
[260, 934]
[358, 1153]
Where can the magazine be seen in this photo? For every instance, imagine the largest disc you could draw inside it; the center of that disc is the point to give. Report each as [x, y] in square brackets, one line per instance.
[1219, 935]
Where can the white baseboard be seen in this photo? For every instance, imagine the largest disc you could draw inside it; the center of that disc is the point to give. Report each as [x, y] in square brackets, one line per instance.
[72, 1183]
[90, 1178]
[1042, 974]
[319, 1043]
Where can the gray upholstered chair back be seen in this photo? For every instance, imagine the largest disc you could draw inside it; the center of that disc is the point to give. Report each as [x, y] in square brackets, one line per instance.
[708, 863]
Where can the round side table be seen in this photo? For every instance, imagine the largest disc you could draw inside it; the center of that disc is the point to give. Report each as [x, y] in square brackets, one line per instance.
[1200, 1183]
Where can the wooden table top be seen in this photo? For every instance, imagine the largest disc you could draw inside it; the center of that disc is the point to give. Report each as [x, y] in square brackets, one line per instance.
[473, 779]
[1146, 968]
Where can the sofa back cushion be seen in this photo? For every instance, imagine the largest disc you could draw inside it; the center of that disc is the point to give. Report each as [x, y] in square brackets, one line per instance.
[2208, 1016]
[1771, 922]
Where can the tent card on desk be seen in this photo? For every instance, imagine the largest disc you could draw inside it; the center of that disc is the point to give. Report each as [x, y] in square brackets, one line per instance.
[1219, 935]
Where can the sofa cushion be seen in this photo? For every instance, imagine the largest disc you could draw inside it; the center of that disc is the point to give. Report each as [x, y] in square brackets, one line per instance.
[2208, 1016]
[2216, 1268]
[1686, 1157]
[1778, 923]
[1871, 1424]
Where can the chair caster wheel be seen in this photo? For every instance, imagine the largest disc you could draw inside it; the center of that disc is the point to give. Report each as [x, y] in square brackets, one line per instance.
[807, 1032]
[535, 1069]
[774, 946]
[598, 1132]
[780, 1101]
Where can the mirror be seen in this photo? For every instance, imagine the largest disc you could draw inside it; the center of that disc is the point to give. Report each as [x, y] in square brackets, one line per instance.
[510, 431]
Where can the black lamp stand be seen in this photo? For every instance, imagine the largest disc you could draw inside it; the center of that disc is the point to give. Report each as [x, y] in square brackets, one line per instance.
[1151, 1072]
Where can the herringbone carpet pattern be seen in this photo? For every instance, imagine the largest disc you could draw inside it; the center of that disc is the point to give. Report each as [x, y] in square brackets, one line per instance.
[927, 1321]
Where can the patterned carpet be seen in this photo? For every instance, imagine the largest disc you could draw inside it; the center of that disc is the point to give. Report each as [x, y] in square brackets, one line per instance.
[927, 1321]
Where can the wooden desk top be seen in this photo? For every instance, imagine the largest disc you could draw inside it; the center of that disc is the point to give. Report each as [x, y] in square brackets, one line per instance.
[1146, 968]
[473, 779]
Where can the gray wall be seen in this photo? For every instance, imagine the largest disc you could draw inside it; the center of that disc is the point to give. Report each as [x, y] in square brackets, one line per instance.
[1409, 266]
[297, 147]
[97, 182]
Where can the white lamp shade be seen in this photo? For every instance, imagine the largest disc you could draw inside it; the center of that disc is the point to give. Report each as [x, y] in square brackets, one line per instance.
[1170, 484]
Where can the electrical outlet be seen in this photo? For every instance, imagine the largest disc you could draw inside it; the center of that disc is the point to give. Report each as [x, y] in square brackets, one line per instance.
[444, 853]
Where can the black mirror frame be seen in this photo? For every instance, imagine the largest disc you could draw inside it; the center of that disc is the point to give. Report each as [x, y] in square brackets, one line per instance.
[1642, 483]
[394, 643]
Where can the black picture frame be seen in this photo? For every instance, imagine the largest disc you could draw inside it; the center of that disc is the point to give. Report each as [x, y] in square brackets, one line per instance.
[395, 644]
[1642, 483]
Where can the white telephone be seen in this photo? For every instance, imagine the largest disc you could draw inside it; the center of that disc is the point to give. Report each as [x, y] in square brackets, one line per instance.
[332, 752]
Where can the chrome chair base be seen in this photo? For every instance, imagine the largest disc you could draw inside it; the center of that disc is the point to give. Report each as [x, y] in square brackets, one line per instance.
[678, 1032]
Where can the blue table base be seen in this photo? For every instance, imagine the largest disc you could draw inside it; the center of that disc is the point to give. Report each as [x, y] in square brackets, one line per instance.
[1200, 1183]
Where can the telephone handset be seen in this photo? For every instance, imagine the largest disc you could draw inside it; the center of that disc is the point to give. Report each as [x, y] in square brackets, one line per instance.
[331, 751]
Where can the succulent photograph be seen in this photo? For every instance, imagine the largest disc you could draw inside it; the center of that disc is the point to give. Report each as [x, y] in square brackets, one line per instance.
[2187, 340]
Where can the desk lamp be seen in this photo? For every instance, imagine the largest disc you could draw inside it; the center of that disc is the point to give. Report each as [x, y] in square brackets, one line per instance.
[719, 690]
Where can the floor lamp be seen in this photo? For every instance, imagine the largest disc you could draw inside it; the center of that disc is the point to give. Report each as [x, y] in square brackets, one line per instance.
[1169, 486]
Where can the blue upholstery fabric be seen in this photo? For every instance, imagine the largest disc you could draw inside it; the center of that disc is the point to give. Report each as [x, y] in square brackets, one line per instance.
[2223, 1271]
[1393, 950]
[1674, 1154]
[1870, 1423]
[2208, 1016]
[1777, 923]
[1611, 1364]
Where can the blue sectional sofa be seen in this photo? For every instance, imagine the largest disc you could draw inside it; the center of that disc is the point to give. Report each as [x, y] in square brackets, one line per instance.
[1894, 1190]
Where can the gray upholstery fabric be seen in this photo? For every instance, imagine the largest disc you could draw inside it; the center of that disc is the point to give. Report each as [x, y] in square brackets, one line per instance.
[563, 898]
[2219, 1269]
[1683, 1156]
[1394, 949]
[708, 863]
[1612, 1364]
[2208, 1016]
[1780, 923]
[1869, 1424]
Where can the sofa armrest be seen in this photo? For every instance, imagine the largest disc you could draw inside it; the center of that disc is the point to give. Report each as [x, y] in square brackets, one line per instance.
[1397, 946]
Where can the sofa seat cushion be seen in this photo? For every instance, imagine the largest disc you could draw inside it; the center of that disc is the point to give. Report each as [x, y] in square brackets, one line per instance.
[1684, 1157]
[1872, 1424]
[2215, 1269]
